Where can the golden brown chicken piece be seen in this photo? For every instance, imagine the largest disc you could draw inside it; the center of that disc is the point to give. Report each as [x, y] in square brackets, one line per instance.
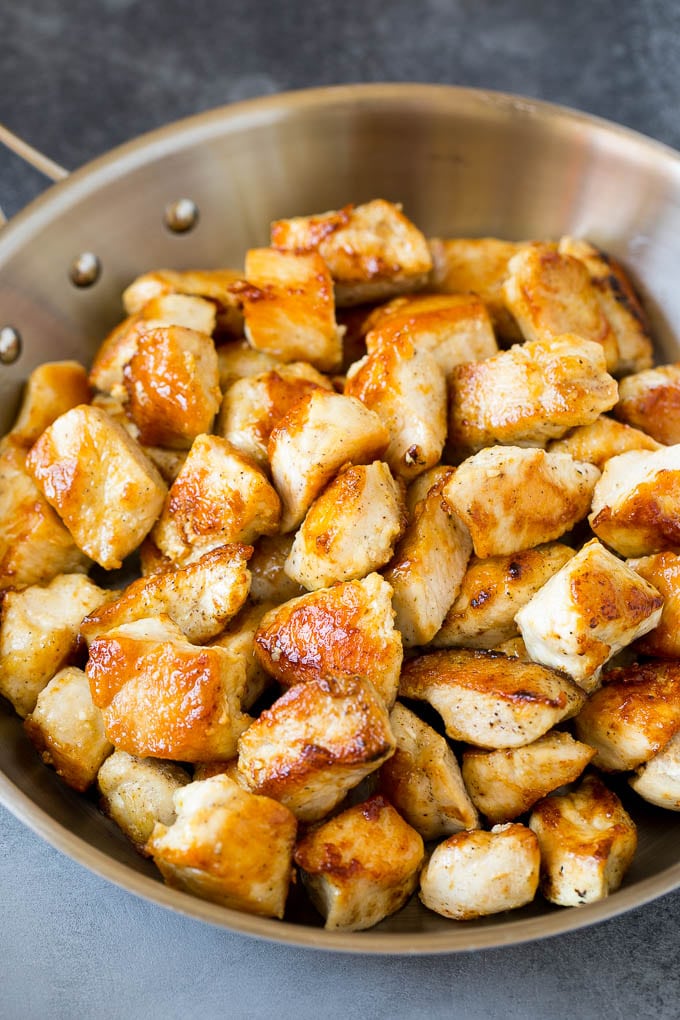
[350, 529]
[227, 846]
[238, 640]
[563, 382]
[420, 486]
[650, 401]
[373, 251]
[99, 481]
[504, 784]
[491, 593]
[360, 866]
[269, 582]
[512, 498]
[215, 285]
[344, 631]
[658, 779]
[587, 842]
[662, 570]
[236, 359]
[51, 389]
[602, 439]
[316, 742]
[488, 699]
[163, 697]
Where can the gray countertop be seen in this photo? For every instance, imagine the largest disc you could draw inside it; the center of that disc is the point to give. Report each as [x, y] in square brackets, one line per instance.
[77, 78]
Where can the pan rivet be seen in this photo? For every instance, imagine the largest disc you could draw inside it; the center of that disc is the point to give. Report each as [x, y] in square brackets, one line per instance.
[85, 269]
[181, 215]
[10, 345]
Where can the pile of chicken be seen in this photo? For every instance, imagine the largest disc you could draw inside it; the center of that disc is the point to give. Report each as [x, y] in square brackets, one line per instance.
[359, 477]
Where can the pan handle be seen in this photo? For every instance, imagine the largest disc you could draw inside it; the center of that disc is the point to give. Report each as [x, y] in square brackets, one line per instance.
[43, 164]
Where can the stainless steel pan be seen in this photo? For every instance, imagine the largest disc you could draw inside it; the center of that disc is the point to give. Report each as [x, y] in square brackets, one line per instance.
[463, 163]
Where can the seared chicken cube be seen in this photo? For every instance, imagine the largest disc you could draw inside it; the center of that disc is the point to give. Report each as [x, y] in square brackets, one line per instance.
[344, 631]
[360, 866]
[316, 742]
[491, 593]
[472, 874]
[311, 443]
[236, 359]
[350, 529]
[254, 405]
[428, 567]
[163, 697]
[588, 611]
[488, 699]
[269, 581]
[238, 640]
[39, 633]
[289, 308]
[187, 310]
[219, 496]
[658, 779]
[563, 383]
[619, 303]
[200, 598]
[455, 328]
[423, 780]
[138, 792]
[407, 390]
[650, 401]
[550, 293]
[513, 498]
[215, 285]
[587, 841]
[632, 716]
[477, 265]
[662, 570]
[100, 483]
[372, 251]
[602, 439]
[420, 486]
[172, 386]
[504, 784]
[67, 729]
[636, 502]
[51, 389]
[227, 846]
[34, 544]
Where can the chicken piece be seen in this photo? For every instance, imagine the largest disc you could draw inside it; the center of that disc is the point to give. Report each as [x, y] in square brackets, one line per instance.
[563, 382]
[488, 699]
[238, 640]
[138, 792]
[39, 634]
[420, 486]
[360, 866]
[587, 843]
[96, 477]
[602, 439]
[551, 293]
[504, 784]
[51, 389]
[220, 496]
[172, 386]
[632, 716]
[658, 779]
[167, 461]
[455, 328]
[340, 632]
[619, 303]
[269, 581]
[289, 308]
[215, 285]
[513, 499]
[478, 265]
[650, 401]
[236, 359]
[492, 591]
[636, 502]
[200, 598]
[186, 310]
[423, 781]
[407, 390]
[67, 730]
[254, 405]
[227, 846]
[428, 567]
[472, 874]
[588, 611]
[311, 443]
[372, 251]
[34, 544]
[662, 570]
[163, 697]
[316, 742]
[350, 529]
